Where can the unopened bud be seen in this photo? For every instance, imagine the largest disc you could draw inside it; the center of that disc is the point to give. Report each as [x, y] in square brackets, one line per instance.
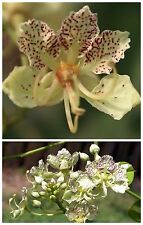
[42, 193]
[52, 197]
[55, 192]
[63, 186]
[74, 175]
[94, 149]
[36, 203]
[84, 156]
[35, 194]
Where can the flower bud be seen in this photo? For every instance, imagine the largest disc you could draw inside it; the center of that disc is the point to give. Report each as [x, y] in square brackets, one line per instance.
[94, 149]
[63, 186]
[35, 194]
[55, 192]
[84, 156]
[74, 175]
[36, 203]
[52, 197]
[38, 179]
[42, 193]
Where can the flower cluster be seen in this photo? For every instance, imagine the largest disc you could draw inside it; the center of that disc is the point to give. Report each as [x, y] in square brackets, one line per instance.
[66, 65]
[74, 193]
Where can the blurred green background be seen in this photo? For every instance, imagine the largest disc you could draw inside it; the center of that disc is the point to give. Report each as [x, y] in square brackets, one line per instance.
[50, 122]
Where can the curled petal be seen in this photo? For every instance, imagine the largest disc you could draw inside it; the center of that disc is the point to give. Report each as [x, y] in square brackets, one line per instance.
[108, 48]
[79, 27]
[35, 39]
[115, 95]
[47, 91]
[28, 89]
[19, 86]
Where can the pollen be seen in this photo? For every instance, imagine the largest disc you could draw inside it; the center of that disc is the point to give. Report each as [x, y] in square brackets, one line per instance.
[66, 72]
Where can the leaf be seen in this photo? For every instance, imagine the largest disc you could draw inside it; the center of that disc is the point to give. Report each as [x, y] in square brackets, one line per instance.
[130, 171]
[135, 211]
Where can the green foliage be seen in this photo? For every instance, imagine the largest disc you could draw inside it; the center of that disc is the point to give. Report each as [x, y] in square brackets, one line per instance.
[130, 172]
[135, 211]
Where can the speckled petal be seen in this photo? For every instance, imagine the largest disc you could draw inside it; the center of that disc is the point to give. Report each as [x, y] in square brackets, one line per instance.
[35, 39]
[79, 27]
[28, 89]
[115, 95]
[107, 48]
[19, 85]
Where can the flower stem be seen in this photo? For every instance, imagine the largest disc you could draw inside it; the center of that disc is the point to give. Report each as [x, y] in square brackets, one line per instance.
[31, 152]
[133, 194]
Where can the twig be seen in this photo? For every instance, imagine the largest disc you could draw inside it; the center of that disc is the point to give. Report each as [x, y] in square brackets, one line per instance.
[31, 152]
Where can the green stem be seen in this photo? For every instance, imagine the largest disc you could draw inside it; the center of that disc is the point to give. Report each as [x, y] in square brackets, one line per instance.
[60, 205]
[31, 152]
[43, 214]
[133, 194]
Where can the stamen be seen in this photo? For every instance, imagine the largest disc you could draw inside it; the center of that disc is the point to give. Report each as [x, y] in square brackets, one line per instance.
[74, 100]
[86, 92]
[72, 125]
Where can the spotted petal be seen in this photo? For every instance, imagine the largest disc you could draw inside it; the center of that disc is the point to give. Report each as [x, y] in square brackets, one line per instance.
[79, 27]
[28, 89]
[107, 49]
[18, 86]
[115, 95]
[35, 39]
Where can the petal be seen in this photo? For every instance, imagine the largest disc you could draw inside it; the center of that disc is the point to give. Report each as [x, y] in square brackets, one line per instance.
[79, 26]
[120, 188]
[108, 48]
[35, 39]
[19, 86]
[115, 95]
[47, 90]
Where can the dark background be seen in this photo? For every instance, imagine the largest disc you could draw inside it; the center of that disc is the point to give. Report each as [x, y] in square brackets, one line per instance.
[121, 151]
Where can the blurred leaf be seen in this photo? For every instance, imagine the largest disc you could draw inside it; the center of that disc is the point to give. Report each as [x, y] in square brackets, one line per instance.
[130, 172]
[135, 211]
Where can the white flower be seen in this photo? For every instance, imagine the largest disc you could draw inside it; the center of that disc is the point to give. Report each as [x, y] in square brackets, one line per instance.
[66, 65]
[64, 160]
[81, 211]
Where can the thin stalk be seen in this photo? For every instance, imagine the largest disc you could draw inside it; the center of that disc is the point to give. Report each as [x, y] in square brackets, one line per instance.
[31, 152]
[133, 194]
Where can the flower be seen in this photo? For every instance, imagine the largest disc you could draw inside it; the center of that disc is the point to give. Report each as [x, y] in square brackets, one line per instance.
[66, 65]
[108, 174]
[81, 211]
[75, 193]
[64, 160]
[18, 208]
[79, 188]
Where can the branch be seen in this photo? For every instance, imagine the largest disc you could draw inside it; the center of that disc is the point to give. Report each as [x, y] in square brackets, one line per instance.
[31, 152]
[133, 194]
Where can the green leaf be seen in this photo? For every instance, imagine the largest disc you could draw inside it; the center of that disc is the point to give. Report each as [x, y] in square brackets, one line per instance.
[130, 171]
[135, 211]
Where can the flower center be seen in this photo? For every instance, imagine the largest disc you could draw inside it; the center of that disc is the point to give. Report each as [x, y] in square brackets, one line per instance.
[65, 73]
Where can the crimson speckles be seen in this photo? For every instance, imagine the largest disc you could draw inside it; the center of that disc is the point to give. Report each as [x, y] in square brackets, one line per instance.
[36, 38]
[108, 47]
[80, 26]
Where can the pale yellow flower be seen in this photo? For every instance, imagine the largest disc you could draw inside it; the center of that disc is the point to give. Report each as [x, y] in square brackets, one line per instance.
[66, 65]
